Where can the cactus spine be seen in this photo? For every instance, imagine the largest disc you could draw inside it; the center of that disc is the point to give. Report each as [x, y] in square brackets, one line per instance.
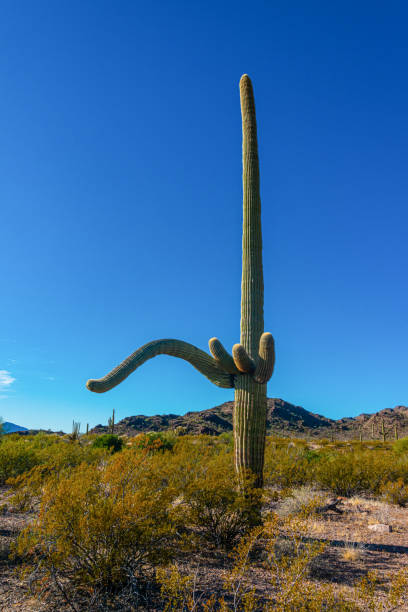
[251, 364]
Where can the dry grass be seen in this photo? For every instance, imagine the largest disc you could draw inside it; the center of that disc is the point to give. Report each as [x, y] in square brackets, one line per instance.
[353, 551]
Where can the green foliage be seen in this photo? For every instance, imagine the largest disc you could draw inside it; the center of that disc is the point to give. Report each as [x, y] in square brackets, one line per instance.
[215, 507]
[227, 437]
[97, 529]
[343, 468]
[17, 455]
[354, 472]
[286, 464]
[20, 454]
[395, 492]
[109, 441]
[155, 441]
[400, 446]
[108, 524]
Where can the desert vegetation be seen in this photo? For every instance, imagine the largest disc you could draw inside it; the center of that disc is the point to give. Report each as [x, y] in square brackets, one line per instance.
[159, 522]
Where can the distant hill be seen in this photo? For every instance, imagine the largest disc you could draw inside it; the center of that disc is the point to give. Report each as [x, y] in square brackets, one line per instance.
[283, 419]
[12, 428]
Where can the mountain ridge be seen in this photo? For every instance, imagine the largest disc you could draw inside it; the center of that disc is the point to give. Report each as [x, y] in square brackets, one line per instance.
[283, 419]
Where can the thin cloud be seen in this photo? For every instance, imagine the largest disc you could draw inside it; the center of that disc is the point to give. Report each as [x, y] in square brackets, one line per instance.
[6, 379]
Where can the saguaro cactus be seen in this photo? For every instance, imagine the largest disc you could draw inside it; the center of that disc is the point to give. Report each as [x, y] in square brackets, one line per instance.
[111, 422]
[251, 364]
[383, 432]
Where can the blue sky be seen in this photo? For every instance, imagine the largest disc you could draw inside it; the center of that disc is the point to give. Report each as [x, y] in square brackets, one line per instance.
[121, 203]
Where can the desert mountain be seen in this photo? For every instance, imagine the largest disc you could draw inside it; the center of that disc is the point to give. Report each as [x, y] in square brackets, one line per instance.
[283, 419]
[8, 427]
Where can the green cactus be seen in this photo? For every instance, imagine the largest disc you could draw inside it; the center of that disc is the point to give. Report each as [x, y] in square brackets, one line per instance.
[111, 422]
[383, 432]
[252, 361]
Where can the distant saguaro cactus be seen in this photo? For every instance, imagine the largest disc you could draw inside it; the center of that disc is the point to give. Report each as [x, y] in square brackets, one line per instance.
[383, 432]
[251, 364]
[111, 422]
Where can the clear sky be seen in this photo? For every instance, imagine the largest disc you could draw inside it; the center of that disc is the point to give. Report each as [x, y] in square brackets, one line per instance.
[121, 203]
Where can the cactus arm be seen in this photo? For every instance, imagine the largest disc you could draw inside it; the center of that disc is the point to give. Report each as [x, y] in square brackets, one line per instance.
[266, 359]
[222, 356]
[242, 360]
[176, 348]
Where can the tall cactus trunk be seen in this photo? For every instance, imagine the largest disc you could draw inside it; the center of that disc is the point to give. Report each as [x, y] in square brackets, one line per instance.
[250, 396]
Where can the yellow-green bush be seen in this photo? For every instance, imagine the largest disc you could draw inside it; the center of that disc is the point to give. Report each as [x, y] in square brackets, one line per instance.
[352, 472]
[17, 455]
[401, 446]
[98, 527]
[214, 506]
[343, 468]
[287, 464]
[395, 492]
[107, 522]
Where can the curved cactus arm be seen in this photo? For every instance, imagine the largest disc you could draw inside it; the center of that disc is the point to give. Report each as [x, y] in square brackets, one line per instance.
[222, 356]
[176, 348]
[266, 360]
[242, 360]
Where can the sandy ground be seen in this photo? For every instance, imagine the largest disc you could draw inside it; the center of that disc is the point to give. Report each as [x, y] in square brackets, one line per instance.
[353, 549]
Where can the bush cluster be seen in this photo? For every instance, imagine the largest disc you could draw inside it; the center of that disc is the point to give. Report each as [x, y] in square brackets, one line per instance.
[111, 516]
[19, 454]
[345, 469]
[108, 441]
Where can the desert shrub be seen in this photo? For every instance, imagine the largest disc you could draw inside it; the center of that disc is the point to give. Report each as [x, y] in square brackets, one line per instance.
[192, 458]
[227, 437]
[109, 441]
[53, 459]
[353, 551]
[155, 441]
[214, 506]
[287, 562]
[400, 446]
[351, 472]
[395, 492]
[17, 455]
[98, 529]
[344, 468]
[302, 500]
[288, 464]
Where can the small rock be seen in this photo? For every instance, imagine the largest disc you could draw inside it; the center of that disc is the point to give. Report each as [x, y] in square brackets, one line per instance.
[380, 528]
